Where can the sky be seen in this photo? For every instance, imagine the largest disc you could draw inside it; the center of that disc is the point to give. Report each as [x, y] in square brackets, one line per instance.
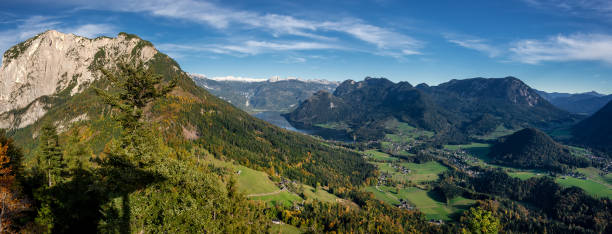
[552, 45]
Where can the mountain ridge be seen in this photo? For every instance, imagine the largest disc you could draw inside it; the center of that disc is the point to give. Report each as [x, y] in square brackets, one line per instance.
[277, 95]
[586, 103]
[23, 80]
[476, 106]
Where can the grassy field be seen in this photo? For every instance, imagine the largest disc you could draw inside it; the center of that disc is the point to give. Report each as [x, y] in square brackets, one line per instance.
[424, 201]
[498, 132]
[418, 172]
[319, 194]
[479, 150]
[424, 172]
[404, 132]
[388, 198]
[252, 182]
[595, 175]
[284, 229]
[523, 175]
[377, 155]
[398, 138]
[249, 181]
[284, 198]
[590, 186]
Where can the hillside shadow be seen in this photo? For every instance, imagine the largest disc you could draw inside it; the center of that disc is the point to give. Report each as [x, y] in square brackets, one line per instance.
[79, 202]
[436, 196]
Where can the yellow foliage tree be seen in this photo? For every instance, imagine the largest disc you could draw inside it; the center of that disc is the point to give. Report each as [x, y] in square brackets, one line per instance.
[10, 204]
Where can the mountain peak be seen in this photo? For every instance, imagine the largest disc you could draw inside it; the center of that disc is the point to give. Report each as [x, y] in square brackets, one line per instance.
[52, 62]
[509, 88]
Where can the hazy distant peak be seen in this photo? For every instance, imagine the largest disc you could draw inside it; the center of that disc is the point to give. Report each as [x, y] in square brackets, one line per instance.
[250, 79]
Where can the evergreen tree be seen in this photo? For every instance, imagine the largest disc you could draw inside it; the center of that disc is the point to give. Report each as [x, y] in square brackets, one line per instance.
[125, 167]
[50, 158]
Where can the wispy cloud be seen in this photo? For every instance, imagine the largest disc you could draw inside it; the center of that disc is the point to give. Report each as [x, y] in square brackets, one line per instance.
[477, 44]
[385, 40]
[90, 30]
[25, 29]
[576, 47]
[249, 47]
[29, 27]
[581, 8]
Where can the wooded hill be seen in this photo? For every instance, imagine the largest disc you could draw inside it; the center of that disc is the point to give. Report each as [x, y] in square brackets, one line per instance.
[532, 148]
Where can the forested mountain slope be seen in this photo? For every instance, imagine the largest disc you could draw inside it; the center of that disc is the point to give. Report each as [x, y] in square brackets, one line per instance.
[154, 169]
[596, 131]
[188, 115]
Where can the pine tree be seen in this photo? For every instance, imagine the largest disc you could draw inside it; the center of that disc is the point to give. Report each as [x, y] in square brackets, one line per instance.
[138, 87]
[122, 170]
[50, 158]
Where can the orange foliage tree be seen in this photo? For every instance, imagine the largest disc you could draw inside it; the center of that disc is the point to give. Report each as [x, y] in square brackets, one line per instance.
[10, 204]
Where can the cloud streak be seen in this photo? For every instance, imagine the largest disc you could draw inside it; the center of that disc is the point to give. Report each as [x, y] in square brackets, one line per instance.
[576, 47]
[31, 26]
[582, 8]
[250, 47]
[479, 45]
[386, 41]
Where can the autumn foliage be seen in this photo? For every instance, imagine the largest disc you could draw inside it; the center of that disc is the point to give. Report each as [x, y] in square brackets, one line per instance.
[11, 206]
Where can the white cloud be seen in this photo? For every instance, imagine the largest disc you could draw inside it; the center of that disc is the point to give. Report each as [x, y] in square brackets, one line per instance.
[25, 29]
[90, 30]
[576, 47]
[31, 26]
[249, 47]
[581, 8]
[386, 41]
[382, 38]
[476, 44]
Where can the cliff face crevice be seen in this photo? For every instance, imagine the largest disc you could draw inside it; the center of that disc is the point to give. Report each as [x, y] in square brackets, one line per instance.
[52, 63]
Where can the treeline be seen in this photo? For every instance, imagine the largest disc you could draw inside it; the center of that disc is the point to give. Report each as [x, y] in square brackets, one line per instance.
[557, 209]
[374, 217]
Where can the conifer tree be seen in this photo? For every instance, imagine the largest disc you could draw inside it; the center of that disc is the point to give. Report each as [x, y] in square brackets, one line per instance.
[50, 158]
[132, 89]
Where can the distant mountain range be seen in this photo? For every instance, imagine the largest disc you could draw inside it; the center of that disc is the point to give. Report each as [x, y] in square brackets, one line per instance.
[578, 103]
[455, 109]
[257, 95]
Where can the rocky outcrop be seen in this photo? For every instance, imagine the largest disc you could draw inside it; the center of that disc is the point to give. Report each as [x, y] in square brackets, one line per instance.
[52, 63]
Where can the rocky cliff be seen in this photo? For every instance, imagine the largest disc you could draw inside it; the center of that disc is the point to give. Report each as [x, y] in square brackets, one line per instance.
[52, 63]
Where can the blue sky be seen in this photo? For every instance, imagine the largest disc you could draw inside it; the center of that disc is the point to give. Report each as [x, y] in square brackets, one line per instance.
[552, 45]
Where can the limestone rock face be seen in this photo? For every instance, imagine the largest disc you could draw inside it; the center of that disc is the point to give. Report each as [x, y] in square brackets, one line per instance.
[54, 62]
